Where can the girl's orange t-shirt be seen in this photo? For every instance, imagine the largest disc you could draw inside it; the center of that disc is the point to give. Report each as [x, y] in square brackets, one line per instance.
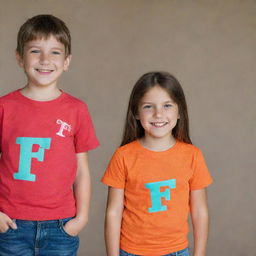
[156, 195]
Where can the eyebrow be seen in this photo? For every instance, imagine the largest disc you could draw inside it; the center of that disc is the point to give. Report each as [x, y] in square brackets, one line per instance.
[148, 102]
[54, 48]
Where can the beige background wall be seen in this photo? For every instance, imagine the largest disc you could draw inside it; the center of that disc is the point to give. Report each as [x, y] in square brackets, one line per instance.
[209, 45]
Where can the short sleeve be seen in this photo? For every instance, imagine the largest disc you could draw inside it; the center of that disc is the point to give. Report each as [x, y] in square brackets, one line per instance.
[85, 138]
[115, 174]
[201, 177]
[1, 126]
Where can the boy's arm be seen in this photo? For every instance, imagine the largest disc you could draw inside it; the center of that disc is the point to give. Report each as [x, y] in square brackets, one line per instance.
[82, 192]
[113, 220]
[200, 220]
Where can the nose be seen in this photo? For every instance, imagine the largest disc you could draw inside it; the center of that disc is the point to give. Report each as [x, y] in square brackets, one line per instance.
[44, 58]
[158, 112]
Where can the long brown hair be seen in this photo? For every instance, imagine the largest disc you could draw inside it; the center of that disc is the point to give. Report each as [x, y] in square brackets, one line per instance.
[133, 129]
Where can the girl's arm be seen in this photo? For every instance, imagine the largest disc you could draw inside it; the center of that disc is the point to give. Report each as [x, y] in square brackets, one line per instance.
[82, 192]
[113, 220]
[200, 220]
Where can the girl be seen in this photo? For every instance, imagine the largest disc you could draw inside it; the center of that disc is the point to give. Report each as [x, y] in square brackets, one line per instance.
[156, 177]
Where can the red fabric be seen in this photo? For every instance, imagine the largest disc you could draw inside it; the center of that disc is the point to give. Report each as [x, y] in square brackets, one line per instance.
[50, 196]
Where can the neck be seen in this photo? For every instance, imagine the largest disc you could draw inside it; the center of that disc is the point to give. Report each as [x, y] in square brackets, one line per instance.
[158, 144]
[41, 93]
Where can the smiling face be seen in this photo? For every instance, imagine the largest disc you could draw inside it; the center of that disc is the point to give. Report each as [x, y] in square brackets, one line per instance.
[158, 114]
[43, 61]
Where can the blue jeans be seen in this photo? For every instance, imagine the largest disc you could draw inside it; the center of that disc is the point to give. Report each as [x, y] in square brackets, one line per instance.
[184, 252]
[38, 238]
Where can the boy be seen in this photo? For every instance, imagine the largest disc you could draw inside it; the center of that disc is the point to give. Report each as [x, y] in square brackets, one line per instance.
[44, 136]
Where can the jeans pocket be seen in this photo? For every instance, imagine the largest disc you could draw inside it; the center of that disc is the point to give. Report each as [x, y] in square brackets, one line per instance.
[124, 253]
[184, 252]
[62, 229]
[6, 232]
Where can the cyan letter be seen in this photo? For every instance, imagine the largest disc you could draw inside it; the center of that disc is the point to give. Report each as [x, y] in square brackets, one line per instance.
[26, 155]
[156, 194]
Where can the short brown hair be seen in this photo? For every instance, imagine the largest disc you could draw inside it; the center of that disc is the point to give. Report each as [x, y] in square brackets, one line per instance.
[43, 26]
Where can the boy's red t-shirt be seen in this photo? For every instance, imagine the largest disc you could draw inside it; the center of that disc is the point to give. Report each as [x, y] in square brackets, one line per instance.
[38, 146]
[156, 195]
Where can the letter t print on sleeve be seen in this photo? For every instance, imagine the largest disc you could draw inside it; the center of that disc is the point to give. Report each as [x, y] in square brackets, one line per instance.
[156, 194]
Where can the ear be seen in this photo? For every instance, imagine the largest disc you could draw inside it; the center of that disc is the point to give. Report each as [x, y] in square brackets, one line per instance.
[67, 62]
[19, 59]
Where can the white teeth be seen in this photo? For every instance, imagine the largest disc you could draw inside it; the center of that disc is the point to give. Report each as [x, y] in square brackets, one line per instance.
[159, 124]
[44, 70]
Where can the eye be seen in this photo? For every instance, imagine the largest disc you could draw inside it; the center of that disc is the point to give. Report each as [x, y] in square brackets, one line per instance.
[35, 51]
[56, 52]
[167, 105]
[147, 106]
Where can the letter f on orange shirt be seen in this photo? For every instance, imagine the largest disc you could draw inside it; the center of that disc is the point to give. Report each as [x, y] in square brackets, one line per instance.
[156, 194]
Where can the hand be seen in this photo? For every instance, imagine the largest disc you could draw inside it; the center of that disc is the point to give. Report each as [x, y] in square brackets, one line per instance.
[6, 223]
[203, 254]
[74, 226]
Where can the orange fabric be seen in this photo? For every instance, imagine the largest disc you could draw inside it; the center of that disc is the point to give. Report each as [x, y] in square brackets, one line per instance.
[131, 168]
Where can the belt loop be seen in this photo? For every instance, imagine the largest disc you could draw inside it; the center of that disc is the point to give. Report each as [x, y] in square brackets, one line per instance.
[60, 222]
